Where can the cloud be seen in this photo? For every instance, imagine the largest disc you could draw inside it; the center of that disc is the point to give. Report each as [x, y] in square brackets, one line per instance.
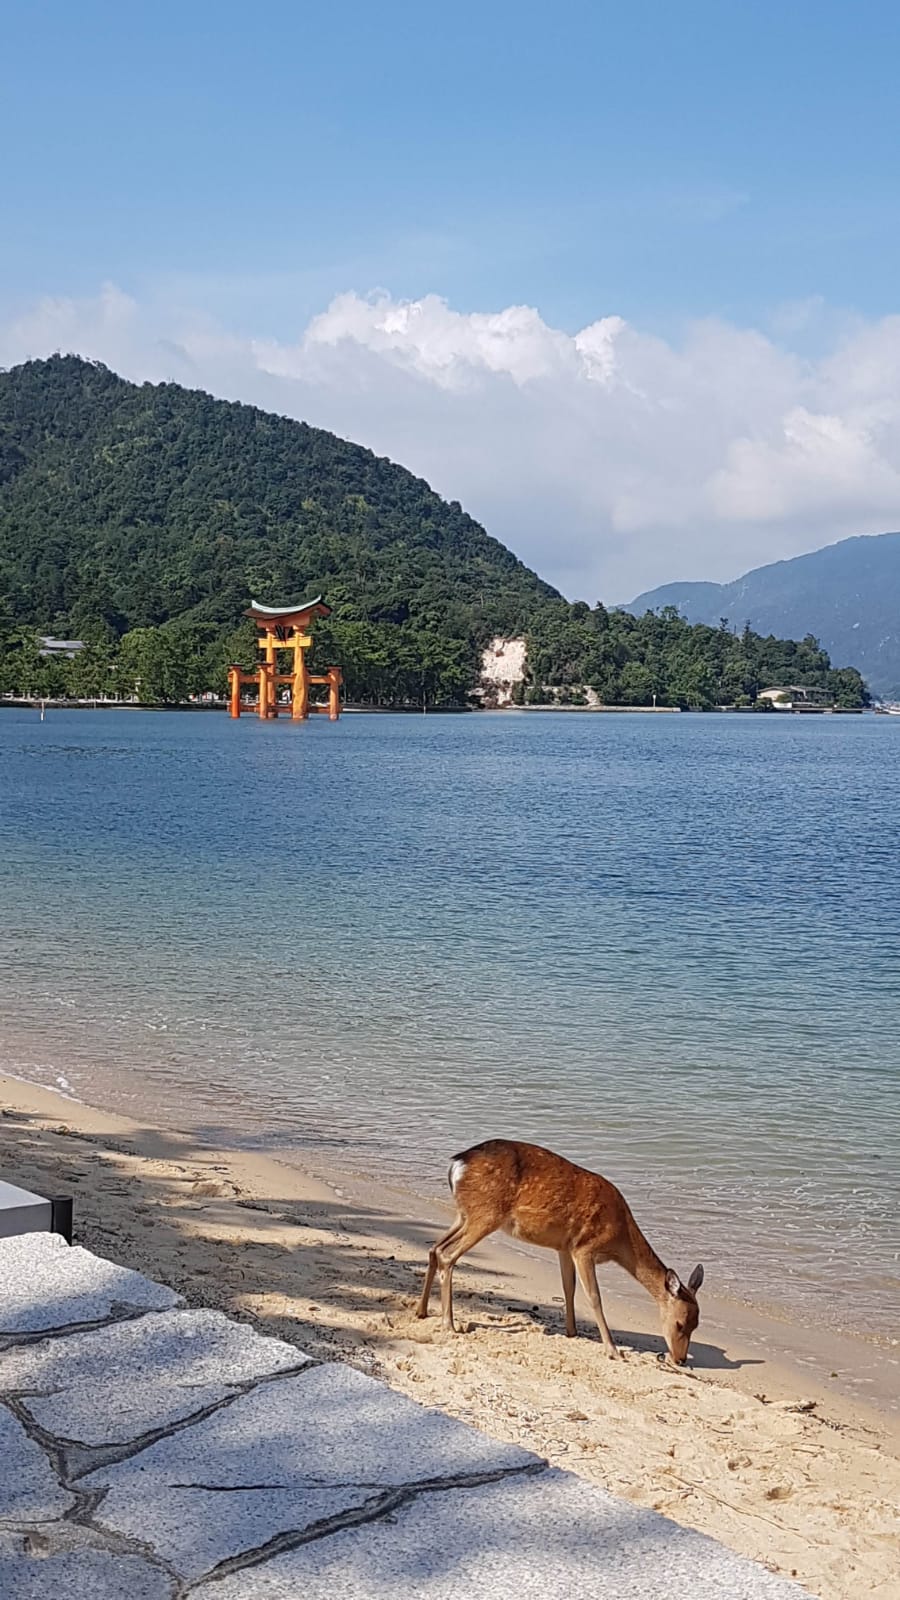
[611, 459]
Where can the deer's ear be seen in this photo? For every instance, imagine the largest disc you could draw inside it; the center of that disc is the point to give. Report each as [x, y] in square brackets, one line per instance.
[673, 1283]
[695, 1279]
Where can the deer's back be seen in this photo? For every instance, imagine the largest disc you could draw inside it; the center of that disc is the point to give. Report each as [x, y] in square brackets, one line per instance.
[538, 1196]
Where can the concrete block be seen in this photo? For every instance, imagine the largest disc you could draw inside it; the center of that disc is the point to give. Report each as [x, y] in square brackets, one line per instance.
[521, 1539]
[22, 1212]
[287, 1455]
[29, 1488]
[114, 1383]
[48, 1285]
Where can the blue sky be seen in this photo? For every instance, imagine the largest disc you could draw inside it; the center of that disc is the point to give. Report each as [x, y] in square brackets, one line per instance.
[652, 160]
[662, 164]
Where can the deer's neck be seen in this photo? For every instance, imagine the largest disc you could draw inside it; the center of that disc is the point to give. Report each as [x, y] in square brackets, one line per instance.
[640, 1259]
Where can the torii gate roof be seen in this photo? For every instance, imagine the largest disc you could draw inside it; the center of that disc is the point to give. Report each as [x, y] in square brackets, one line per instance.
[291, 613]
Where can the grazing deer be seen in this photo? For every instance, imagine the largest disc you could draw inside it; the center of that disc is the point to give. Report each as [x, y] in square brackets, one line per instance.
[543, 1199]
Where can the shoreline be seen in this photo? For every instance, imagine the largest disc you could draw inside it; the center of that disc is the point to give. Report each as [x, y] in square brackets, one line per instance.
[854, 1371]
[762, 1443]
[451, 711]
[813, 1334]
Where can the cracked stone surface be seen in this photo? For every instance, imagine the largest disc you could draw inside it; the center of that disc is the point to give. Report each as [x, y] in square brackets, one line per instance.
[29, 1488]
[158, 1453]
[49, 1285]
[291, 1453]
[196, 1530]
[81, 1575]
[120, 1381]
[522, 1539]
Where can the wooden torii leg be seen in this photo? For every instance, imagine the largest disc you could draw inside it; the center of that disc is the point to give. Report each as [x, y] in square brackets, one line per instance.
[300, 686]
[271, 670]
[266, 689]
[334, 693]
[234, 691]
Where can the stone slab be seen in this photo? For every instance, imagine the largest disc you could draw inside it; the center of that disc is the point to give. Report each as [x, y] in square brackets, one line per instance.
[49, 1285]
[22, 1212]
[320, 1483]
[115, 1383]
[80, 1575]
[29, 1489]
[281, 1458]
[528, 1538]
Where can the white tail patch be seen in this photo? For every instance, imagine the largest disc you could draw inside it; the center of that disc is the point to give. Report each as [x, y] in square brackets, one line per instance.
[457, 1168]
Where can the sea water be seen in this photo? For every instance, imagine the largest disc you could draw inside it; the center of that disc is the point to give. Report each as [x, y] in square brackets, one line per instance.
[667, 946]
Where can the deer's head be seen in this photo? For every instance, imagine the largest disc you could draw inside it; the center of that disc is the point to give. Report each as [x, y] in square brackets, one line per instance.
[680, 1313]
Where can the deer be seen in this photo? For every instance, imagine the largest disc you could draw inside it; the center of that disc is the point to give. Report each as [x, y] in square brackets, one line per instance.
[543, 1199]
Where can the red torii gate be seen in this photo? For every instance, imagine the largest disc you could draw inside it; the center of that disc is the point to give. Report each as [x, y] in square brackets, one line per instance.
[286, 628]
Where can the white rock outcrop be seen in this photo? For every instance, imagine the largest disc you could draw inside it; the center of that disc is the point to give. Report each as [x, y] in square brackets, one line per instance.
[502, 667]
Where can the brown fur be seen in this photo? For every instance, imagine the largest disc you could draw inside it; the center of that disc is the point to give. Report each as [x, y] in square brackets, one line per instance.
[546, 1200]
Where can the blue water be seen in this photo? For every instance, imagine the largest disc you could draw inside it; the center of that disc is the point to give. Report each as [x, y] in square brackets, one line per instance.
[667, 946]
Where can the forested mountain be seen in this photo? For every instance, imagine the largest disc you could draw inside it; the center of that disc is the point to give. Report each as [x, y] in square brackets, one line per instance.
[143, 518]
[134, 505]
[847, 594]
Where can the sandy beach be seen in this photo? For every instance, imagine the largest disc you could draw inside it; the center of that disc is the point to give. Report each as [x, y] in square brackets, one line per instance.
[784, 1447]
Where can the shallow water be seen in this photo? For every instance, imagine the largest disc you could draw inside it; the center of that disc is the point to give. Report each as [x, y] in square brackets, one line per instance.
[667, 946]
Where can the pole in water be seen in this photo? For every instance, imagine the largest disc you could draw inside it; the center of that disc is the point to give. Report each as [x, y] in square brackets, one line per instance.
[42, 710]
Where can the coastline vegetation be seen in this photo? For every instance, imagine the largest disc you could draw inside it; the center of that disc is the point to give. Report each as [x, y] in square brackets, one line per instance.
[624, 660]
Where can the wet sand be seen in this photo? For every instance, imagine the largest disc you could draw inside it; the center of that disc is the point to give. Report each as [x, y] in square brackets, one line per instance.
[779, 1441]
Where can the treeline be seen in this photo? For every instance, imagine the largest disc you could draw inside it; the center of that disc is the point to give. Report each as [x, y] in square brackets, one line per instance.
[168, 665]
[625, 660]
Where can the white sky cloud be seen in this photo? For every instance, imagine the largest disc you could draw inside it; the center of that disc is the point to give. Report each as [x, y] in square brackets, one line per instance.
[610, 460]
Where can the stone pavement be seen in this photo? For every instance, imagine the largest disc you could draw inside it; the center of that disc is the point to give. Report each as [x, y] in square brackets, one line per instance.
[152, 1452]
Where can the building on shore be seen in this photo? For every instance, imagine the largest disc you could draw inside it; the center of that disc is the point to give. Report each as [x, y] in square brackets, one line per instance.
[796, 697]
[66, 648]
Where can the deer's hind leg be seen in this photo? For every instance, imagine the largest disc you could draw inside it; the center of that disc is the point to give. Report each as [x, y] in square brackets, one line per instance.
[434, 1261]
[588, 1275]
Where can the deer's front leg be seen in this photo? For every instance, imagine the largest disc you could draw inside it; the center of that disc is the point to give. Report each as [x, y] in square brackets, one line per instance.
[567, 1269]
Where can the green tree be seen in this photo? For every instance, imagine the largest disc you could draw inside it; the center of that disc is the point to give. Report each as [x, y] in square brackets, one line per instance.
[636, 684]
[154, 666]
[92, 673]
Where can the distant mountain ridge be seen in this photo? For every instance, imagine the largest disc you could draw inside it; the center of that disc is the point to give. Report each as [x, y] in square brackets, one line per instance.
[847, 595]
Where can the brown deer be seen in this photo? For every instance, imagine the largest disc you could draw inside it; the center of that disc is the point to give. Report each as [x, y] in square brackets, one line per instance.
[543, 1199]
